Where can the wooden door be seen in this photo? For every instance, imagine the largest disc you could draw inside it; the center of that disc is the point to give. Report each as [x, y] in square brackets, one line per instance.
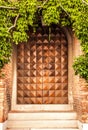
[42, 68]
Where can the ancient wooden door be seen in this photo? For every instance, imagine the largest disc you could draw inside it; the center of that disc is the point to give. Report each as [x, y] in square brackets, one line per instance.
[42, 68]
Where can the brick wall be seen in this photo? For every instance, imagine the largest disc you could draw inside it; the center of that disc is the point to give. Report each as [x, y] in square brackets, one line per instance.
[80, 88]
[83, 100]
[5, 92]
[3, 103]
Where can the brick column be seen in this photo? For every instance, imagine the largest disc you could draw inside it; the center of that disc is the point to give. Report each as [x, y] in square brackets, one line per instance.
[3, 102]
[2, 97]
[84, 100]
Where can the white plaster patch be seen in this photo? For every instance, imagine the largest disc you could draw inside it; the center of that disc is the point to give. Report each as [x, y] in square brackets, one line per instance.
[3, 125]
[85, 126]
[82, 126]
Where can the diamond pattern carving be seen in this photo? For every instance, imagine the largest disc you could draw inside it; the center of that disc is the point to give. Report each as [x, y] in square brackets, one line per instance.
[26, 66]
[20, 100]
[26, 94]
[20, 86]
[32, 101]
[42, 68]
[51, 86]
[58, 86]
[38, 100]
[32, 87]
[26, 100]
[32, 93]
[45, 36]
[20, 93]
[45, 86]
[51, 100]
[27, 87]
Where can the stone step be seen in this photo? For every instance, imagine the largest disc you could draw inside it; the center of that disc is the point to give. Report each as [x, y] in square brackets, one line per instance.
[42, 129]
[51, 117]
[42, 116]
[43, 124]
[45, 108]
[55, 129]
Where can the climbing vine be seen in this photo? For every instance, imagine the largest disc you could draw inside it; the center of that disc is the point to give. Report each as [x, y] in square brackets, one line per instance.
[17, 15]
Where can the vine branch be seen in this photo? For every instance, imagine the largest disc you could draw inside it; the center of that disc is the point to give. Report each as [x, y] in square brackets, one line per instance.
[14, 25]
[7, 7]
[43, 4]
[64, 8]
[85, 2]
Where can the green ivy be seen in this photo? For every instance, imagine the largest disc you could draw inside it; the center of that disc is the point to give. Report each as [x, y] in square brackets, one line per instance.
[17, 16]
[52, 8]
[81, 66]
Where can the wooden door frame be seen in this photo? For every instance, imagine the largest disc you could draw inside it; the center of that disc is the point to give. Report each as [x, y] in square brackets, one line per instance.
[45, 107]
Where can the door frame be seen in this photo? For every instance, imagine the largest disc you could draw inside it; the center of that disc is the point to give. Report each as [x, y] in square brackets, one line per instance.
[45, 107]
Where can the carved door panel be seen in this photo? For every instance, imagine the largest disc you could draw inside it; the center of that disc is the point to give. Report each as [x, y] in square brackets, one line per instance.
[42, 68]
